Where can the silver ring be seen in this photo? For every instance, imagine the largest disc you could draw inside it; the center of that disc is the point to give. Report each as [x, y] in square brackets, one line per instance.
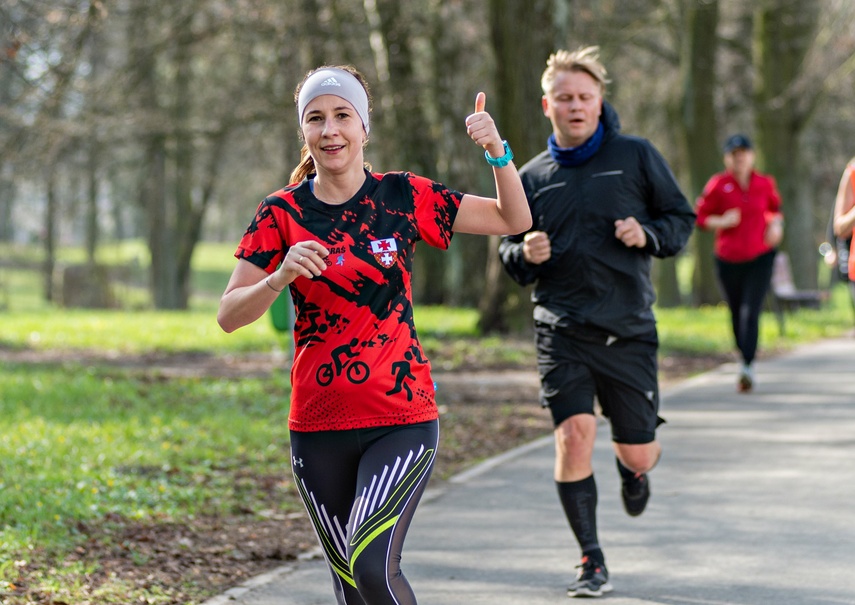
[301, 260]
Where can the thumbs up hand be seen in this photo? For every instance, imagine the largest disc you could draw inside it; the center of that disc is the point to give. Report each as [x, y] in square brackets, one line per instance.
[482, 129]
[480, 102]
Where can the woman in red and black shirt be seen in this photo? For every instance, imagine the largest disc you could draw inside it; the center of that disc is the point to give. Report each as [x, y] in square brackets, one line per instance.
[363, 419]
[744, 208]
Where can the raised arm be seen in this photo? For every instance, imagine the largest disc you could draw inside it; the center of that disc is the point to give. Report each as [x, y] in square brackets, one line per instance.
[508, 212]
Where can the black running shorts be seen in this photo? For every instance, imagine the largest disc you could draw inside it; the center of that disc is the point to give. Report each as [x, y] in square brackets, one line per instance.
[576, 368]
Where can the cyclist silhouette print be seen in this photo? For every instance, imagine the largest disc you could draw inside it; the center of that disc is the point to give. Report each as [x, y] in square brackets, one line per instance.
[357, 372]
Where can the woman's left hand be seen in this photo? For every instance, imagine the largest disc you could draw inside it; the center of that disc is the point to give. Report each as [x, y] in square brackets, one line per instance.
[482, 129]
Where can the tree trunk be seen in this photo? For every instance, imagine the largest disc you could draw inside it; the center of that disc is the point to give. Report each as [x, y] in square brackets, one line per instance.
[784, 31]
[50, 228]
[93, 149]
[450, 93]
[57, 142]
[183, 216]
[667, 285]
[400, 93]
[8, 191]
[173, 195]
[699, 130]
[522, 35]
[153, 188]
[91, 211]
[153, 201]
[8, 186]
[402, 102]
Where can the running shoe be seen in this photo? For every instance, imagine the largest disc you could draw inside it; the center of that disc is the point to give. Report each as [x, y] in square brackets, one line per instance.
[635, 494]
[746, 380]
[591, 581]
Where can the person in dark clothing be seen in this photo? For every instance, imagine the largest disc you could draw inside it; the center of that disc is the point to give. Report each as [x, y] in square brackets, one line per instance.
[603, 203]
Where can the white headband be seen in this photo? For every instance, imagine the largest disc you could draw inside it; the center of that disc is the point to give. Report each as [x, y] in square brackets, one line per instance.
[338, 82]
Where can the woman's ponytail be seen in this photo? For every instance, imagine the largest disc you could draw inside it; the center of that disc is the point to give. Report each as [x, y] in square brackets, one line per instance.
[305, 167]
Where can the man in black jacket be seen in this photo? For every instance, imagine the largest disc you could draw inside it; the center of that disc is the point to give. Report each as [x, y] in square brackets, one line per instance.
[603, 204]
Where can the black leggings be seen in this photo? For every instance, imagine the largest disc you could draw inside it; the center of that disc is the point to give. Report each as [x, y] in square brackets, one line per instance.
[361, 488]
[745, 286]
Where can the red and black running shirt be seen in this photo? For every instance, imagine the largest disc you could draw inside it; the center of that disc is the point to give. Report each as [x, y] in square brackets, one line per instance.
[358, 362]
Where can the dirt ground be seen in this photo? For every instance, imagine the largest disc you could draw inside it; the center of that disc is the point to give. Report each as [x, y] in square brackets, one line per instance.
[484, 411]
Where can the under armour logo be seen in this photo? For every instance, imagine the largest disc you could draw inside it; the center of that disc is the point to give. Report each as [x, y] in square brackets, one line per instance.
[297, 461]
[331, 81]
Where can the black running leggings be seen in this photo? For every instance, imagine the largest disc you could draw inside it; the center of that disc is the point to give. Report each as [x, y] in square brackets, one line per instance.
[745, 286]
[361, 488]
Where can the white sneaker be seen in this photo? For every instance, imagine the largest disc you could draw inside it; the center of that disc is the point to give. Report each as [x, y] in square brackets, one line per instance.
[746, 379]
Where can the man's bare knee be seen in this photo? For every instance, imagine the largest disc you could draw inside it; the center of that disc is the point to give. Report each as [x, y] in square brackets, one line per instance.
[574, 447]
[639, 458]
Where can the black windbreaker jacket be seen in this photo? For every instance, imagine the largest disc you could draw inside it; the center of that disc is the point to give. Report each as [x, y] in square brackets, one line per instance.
[592, 279]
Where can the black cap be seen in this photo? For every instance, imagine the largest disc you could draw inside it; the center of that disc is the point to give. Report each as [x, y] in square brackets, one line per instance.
[737, 141]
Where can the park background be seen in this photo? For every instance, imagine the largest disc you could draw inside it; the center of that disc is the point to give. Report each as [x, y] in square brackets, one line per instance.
[168, 122]
[136, 140]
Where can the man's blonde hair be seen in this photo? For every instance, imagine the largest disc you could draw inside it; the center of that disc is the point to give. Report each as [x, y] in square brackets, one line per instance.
[585, 59]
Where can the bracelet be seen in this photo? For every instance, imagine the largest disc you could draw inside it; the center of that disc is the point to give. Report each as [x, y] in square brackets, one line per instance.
[502, 161]
[267, 281]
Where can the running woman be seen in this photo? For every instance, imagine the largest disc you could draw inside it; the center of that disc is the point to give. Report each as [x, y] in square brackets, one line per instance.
[363, 419]
[743, 207]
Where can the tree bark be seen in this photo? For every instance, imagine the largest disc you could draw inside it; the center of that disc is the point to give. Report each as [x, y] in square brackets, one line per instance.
[784, 31]
[186, 140]
[522, 35]
[455, 55]
[93, 161]
[8, 191]
[699, 130]
[8, 186]
[50, 227]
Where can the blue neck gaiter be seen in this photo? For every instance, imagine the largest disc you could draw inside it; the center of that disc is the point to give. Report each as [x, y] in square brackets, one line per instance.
[574, 156]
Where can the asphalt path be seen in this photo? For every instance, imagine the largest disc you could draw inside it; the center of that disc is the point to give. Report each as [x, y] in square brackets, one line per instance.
[752, 504]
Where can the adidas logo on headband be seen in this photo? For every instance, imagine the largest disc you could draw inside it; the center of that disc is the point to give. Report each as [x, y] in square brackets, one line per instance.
[331, 81]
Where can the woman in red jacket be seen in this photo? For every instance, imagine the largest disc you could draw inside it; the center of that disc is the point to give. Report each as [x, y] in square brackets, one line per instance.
[744, 208]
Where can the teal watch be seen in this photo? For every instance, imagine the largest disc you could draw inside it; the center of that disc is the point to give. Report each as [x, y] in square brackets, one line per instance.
[501, 161]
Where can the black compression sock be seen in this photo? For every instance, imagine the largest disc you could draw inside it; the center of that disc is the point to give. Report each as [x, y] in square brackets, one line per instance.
[579, 500]
[596, 555]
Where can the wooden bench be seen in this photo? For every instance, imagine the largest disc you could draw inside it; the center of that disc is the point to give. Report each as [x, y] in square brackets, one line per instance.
[784, 296]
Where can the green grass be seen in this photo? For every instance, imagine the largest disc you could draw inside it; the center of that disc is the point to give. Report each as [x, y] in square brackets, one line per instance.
[135, 332]
[707, 330]
[79, 443]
